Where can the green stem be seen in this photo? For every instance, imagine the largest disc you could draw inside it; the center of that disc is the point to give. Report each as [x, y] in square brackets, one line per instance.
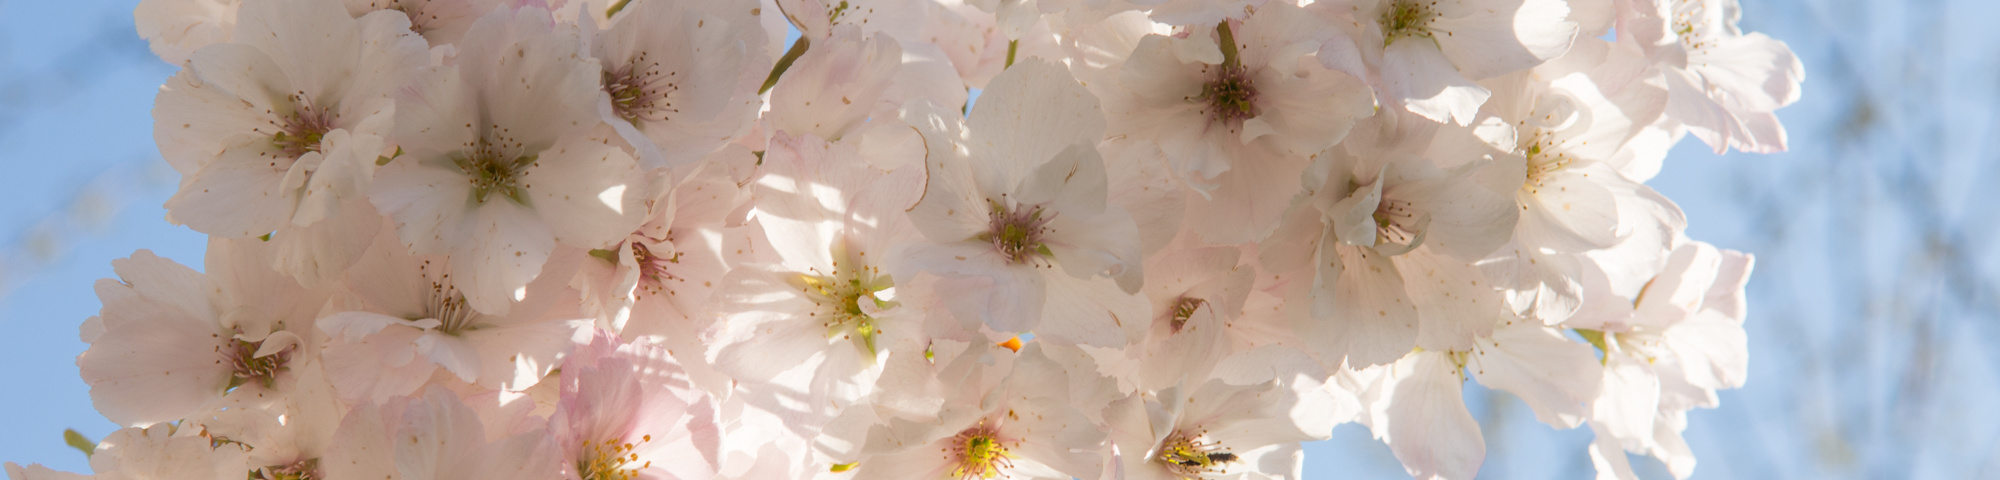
[785, 63]
[1012, 45]
[1228, 41]
[78, 441]
[615, 7]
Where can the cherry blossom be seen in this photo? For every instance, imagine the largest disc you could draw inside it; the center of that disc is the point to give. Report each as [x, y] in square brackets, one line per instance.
[929, 239]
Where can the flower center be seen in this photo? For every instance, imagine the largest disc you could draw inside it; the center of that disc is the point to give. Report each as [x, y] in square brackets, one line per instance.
[980, 453]
[639, 90]
[653, 268]
[1192, 455]
[1398, 228]
[248, 367]
[494, 167]
[303, 129]
[611, 460]
[1184, 310]
[1229, 94]
[839, 11]
[840, 297]
[420, 21]
[1406, 18]
[307, 469]
[1017, 233]
[1688, 16]
[449, 308]
[1543, 161]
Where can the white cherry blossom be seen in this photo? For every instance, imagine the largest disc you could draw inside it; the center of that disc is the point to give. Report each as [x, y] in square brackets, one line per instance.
[281, 129]
[1425, 55]
[678, 82]
[1017, 207]
[505, 157]
[173, 343]
[1723, 83]
[1237, 109]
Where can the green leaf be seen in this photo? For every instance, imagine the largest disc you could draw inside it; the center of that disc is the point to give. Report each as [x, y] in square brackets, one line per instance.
[1596, 339]
[79, 442]
[379, 161]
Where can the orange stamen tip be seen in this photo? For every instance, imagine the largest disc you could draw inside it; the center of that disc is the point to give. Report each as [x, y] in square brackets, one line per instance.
[1012, 344]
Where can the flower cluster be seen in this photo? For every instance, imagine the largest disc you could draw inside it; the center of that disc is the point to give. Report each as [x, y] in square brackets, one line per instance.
[1166, 239]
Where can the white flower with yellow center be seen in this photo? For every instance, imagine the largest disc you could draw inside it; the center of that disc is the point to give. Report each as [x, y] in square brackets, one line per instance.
[1237, 107]
[831, 300]
[1015, 214]
[505, 157]
[1005, 415]
[278, 132]
[1425, 55]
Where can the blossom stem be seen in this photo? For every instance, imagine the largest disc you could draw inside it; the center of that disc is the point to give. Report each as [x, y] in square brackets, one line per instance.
[615, 8]
[784, 63]
[1228, 41]
[1012, 45]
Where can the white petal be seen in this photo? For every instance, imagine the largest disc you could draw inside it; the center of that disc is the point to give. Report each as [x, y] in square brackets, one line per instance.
[1455, 302]
[238, 194]
[1425, 421]
[1025, 116]
[1090, 312]
[1557, 377]
[589, 192]
[515, 357]
[506, 250]
[1373, 320]
[1495, 38]
[1418, 76]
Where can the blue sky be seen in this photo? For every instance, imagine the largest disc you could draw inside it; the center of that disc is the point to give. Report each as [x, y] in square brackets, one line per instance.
[76, 130]
[1867, 355]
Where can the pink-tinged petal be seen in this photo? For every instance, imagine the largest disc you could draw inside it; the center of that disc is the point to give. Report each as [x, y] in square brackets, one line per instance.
[833, 89]
[361, 447]
[1496, 38]
[1569, 211]
[1090, 312]
[154, 367]
[506, 251]
[1250, 198]
[378, 366]
[1630, 399]
[444, 438]
[952, 208]
[169, 284]
[318, 254]
[1455, 300]
[1026, 115]
[1420, 78]
[1373, 321]
[241, 193]
[770, 327]
[1057, 437]
[301, 30]
[1556, 376]
[589, 192]
[194, 119]
[247, 73]
[1759, 73]
[1425, 421]
[430, 202]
